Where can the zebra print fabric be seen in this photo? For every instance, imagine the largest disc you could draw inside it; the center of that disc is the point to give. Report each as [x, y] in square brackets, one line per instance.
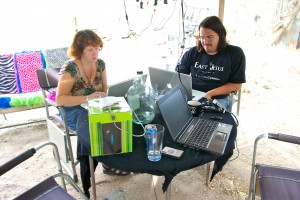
[8, 81]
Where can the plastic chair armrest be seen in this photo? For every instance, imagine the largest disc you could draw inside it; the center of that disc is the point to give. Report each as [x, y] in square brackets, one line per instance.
[16, 160]
[51, 102]
[284, 138]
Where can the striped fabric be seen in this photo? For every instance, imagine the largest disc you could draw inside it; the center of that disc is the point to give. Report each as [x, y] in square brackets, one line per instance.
[8, 80]
[27, 63]
[56, 57]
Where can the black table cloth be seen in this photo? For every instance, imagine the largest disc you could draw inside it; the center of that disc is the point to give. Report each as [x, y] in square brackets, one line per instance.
[137, 160]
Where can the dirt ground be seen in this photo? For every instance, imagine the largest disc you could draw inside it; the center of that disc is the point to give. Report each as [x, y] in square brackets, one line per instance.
[270, 103]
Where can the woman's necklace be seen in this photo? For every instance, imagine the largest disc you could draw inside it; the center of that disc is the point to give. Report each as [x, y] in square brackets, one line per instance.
[89, 79]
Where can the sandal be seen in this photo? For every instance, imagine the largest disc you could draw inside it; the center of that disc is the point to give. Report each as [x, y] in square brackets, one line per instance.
[113, 171]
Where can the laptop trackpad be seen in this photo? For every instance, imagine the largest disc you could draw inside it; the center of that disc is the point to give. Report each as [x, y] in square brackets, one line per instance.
[220, 136]
[218, 142]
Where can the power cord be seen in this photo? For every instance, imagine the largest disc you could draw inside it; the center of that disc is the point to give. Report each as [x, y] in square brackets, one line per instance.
[169, 86]
[238, 151]
[131, 33]
[190, 97]
[141, 125]
[126, 16]
[158, 29]
[237, 124]
[236, 144]
[149, 24]
[235, 119]
[114, 118]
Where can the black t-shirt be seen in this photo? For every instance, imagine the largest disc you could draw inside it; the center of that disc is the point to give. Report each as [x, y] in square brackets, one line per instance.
[212, 71]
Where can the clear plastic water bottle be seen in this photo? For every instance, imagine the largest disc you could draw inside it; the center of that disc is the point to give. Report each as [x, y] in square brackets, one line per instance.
[141, 100]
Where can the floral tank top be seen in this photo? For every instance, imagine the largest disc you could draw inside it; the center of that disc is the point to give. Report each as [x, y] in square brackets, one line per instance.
[80, 87]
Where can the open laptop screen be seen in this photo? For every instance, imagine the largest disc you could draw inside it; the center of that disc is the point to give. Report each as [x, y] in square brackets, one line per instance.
[165, 78]
[175, 111]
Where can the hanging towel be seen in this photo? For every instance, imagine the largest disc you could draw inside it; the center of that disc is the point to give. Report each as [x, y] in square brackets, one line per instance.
[56, 57]
[27, 63]
[8, 78]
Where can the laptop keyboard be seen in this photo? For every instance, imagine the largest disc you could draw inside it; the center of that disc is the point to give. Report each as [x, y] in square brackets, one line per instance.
[202, 132]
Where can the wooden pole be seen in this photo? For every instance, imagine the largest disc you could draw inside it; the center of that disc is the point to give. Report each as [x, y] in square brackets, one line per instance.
[221, 9]
[75, 24]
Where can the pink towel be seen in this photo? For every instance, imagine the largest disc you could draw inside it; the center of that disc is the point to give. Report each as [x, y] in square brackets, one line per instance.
[27, 63]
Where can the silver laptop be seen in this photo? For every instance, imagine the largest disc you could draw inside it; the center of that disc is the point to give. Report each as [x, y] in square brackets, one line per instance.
[166, 80]
[193, 132]
[120, 89]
